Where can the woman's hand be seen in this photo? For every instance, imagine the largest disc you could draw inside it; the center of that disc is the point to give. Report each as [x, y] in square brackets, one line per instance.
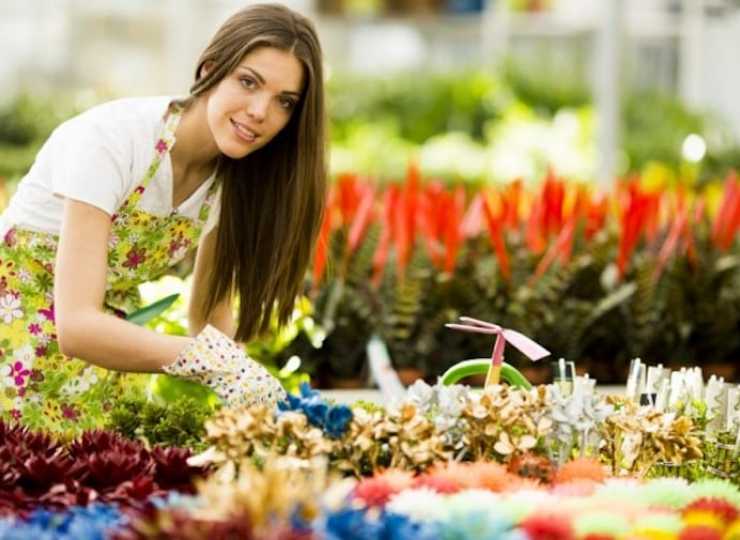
[217, 361]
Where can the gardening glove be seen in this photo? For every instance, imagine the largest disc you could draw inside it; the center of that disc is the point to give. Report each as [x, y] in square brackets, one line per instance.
[218, 362]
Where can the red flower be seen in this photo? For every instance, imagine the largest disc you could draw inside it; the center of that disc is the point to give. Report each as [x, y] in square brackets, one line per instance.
[69, 412]
[719, 507]
[700, 533]
[161, 146]
[135, 257]
[548, 527]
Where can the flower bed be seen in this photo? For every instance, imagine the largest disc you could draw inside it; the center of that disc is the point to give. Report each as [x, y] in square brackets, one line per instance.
[445, 462]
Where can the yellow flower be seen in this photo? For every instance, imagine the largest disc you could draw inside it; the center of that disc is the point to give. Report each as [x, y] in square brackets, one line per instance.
[652, 534]
[733, 533]
[702, 518]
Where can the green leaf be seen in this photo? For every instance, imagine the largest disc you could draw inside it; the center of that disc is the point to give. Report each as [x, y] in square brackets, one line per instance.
[147, 313]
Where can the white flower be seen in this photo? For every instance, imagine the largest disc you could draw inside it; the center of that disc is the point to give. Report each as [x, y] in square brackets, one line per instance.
[24, 275]
[81, 384]
[421, 505]
[180, 253]
[25, 355]
[10, 308]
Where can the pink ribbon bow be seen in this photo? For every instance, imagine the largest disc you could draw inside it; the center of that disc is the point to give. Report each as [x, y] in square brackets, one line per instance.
[530, 348]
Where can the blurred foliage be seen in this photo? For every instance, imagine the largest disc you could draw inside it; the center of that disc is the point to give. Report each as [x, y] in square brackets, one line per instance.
[176, 423]
[548, 86]
[25, 123]
[655, 127]
[674, 305]
[421, 104]
[463, 124]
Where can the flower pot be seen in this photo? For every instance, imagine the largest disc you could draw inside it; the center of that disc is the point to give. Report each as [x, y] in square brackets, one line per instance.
[720, 369]
[409, 375]
[536, 374]
[346, 383]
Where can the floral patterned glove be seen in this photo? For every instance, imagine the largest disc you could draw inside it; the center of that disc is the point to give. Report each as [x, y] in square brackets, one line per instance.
[216, 361]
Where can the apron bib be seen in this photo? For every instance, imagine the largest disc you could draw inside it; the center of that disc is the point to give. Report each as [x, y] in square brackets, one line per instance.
[39, 386]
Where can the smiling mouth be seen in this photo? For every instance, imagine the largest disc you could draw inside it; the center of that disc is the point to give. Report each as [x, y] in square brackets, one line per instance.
[244, 132]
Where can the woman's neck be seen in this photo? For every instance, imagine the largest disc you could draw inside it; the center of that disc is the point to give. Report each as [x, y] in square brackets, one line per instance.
[194, 149]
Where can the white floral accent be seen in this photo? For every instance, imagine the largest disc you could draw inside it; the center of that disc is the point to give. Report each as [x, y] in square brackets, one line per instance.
[10, 308]
[24, 275]
[180, 252]
[81, 384]
[422, 504]
[25, 355]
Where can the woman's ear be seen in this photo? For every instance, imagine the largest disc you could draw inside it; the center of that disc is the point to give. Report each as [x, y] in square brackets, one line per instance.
[206, 68]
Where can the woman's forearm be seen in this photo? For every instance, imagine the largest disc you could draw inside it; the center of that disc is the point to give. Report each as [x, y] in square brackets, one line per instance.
[113, 343]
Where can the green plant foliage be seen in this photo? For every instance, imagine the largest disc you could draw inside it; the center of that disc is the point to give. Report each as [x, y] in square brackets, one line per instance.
[655, 126]
[175, 423]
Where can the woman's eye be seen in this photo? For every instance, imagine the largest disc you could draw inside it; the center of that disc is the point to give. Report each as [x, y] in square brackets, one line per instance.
[248, 83]
[287, 104]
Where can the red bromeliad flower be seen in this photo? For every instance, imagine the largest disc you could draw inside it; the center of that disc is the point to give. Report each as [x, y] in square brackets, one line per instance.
[496, 228]
[727, 221]
[37, 471]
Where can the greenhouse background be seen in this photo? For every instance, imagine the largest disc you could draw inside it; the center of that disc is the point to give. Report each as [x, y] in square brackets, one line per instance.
[520, 319]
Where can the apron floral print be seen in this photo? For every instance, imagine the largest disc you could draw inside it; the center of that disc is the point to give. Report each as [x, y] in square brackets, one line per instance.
[41, 387]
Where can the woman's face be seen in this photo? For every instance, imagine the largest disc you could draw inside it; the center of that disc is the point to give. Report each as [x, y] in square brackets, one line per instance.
[255, 101]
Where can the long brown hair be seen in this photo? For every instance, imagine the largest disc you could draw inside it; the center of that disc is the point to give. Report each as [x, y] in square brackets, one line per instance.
[273, 199]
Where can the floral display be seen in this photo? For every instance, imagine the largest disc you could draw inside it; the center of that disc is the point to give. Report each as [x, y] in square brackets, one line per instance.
[37, 471]
[552, 462]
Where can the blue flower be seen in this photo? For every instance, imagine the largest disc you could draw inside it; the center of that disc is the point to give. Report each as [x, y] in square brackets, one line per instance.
[351, 523]
[399, 527]
[94, 522]
[337, 421]
[307, 392]
[333, 420]
[316, 412]
[291, 403]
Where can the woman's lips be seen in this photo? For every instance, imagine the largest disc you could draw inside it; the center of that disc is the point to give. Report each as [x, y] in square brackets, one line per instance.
[243, 132]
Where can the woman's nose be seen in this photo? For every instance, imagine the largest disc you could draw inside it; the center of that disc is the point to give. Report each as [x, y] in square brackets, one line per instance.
[257, 107]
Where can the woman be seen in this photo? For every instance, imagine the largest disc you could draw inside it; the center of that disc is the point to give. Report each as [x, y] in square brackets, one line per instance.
[124, 191]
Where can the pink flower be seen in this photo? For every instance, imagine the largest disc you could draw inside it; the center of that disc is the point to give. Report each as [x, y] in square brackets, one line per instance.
[10, 238]
[48, 313]
[34, 328]
[69, 412]
[161, 146]
[18, 372]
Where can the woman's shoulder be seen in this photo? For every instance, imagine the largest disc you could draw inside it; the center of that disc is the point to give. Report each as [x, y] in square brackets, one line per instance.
[137, 113]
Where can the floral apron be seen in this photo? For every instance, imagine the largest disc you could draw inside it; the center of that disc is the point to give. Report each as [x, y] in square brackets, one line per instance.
[41, 387]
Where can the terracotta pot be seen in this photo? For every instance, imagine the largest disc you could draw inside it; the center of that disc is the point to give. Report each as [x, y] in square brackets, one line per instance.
[409, 375]
[346, 383]
[720, 369]
[536, 374]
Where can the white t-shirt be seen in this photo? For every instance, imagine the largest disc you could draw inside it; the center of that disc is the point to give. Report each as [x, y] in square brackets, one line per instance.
[99, 157]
